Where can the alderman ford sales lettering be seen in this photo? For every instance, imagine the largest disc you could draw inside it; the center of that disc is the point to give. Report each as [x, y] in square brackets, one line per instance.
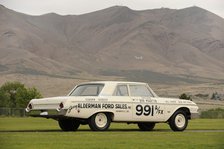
[103, 106]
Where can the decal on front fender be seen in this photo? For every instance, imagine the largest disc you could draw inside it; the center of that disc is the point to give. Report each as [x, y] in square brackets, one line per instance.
[148, 110]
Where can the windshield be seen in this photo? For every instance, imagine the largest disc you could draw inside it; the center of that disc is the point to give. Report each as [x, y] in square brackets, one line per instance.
[87, 90]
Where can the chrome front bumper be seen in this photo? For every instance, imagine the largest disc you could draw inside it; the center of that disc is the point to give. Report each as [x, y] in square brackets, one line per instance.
[194, 115]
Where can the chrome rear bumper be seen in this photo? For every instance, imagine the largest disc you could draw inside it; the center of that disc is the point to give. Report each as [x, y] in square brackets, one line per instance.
[47, 113]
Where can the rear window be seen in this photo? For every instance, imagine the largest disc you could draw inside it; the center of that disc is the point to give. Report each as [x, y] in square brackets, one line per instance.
[87, 90]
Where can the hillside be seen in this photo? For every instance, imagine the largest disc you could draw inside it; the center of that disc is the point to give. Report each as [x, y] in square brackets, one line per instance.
[159, 45]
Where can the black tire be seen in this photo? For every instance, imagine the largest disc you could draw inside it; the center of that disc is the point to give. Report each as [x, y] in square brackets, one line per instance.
[178, 121]
[68, 124]
[146, 126]
[99, 122]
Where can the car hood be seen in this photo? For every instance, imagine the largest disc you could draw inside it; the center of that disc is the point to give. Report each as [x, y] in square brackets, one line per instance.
[176, 101]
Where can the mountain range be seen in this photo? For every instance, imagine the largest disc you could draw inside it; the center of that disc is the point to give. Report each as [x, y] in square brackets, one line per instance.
[159, 45]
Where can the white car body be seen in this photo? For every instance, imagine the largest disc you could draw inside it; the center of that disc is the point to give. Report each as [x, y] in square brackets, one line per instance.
[130, 102]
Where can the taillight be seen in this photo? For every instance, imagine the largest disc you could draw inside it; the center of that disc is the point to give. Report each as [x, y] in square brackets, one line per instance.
[61, 105]
[30, 106]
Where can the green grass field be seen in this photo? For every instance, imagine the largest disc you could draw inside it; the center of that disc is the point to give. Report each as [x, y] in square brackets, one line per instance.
[36, 133]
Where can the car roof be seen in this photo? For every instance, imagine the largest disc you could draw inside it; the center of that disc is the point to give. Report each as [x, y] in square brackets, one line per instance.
[109, 86]
[112, 82]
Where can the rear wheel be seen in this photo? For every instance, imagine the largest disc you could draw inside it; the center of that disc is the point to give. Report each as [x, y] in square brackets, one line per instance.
[68, 124]
[99, 122]
[178, 121]
[146, 126]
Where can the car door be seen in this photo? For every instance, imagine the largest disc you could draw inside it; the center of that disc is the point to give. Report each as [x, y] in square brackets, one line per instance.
[122, 103]
[145, 106]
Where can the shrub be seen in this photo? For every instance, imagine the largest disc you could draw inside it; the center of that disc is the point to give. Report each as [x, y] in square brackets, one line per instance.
[185, 96]
[213, 113]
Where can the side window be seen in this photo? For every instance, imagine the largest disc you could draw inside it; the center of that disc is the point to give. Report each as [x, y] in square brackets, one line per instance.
[139, 90]
[121, 90]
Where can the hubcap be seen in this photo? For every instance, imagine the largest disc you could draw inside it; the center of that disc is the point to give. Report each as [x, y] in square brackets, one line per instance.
[180, 120]
[101, 120]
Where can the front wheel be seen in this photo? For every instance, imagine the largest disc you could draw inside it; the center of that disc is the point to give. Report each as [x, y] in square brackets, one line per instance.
[147, 126]
[99, 122]
[68, 124]
[178, 121]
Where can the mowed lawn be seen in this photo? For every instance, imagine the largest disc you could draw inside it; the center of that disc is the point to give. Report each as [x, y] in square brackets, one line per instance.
[40, 133]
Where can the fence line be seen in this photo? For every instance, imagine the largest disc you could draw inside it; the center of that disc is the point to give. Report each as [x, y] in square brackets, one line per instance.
[18, 112]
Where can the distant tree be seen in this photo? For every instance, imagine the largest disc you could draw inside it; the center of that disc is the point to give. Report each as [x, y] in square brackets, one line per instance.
[23, 96]
[215, 96]
[8, 91]
[4, 99]
[16, 95]
[185, 96]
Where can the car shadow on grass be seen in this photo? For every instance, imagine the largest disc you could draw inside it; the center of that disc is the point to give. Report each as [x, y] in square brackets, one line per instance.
[31, 130]
[110, 130]
[88, 130]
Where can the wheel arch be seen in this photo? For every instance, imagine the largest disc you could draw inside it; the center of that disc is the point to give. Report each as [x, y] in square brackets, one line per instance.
[111, 114]
[185, 109]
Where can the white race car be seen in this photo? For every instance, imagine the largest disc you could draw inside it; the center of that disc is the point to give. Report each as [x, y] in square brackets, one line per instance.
[100, 103]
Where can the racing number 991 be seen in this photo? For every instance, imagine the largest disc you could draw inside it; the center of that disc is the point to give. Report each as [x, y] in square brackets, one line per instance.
[144, 110]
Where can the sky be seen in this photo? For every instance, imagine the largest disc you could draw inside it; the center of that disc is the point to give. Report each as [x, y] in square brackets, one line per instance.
[66, 7]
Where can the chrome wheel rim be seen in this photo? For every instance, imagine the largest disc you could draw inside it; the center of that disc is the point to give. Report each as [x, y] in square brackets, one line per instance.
[180, 120]
[101, 120]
